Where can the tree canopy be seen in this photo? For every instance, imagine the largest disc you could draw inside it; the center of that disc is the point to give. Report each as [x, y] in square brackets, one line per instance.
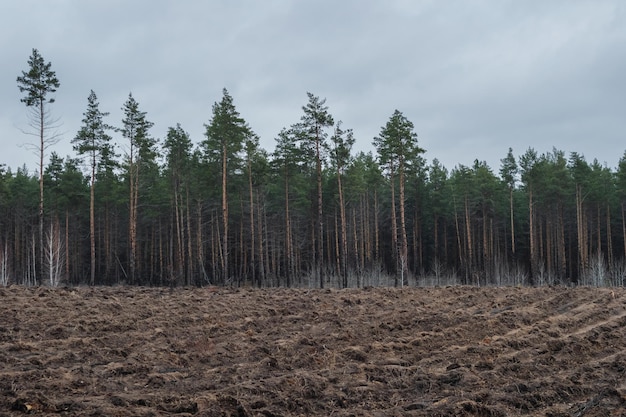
[222, 210]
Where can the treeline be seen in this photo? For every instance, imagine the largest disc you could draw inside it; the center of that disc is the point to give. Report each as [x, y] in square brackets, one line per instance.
[224, 211]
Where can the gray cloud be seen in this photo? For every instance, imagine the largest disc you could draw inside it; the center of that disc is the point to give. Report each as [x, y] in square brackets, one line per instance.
[475, 77]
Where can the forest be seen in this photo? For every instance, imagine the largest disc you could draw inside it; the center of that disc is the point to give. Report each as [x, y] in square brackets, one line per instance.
[130, 208]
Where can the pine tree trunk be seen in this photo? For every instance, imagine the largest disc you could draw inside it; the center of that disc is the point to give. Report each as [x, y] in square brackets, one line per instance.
[216, 252]
[582, 232]
[243, 262]
[598, 229]
[67, 245]
[158, 256]
[105, 237]
[415, 248]
[190, 260]
[366, 225]
[512, 222]
[337, 245]
[436, 237]
[358, 245]
[394, 227]
[586, 238]
[549, 254]
[179, 248]
[624, 227]
[344, 231]
[320, 220]
[561, 244]
[377, 230]
[289, 269]
[468, 235]
[486, 254]
[92, 221]
[266, 252]
[199, 243]
[609, 240]
[41, 208]
[579, 229]
[531, 226]
[329, 249]
[135, 245]
[259, 229]
[404, 254]
[459, 241]
[131, 208]
[445, 243]
[225, 265]
[132, 223]
[252, 231]
[540, 242]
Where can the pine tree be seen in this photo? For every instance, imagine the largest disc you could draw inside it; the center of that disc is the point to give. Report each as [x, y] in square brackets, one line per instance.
[461, 179]
[340, 155]
[397, 149]
[253, 155]
[141, 151]
[508, 172]
[312, 131]
[38, 83]
[178, 148]
[286, 158]
[439, 201]
[111, 199]
[529, 174]
[486, 186]
[225, 138]
[92, 141]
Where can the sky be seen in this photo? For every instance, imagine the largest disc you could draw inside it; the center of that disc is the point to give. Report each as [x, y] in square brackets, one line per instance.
[475, 77]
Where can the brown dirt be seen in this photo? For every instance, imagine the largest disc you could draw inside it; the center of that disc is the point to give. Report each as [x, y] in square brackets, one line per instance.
[457, 351]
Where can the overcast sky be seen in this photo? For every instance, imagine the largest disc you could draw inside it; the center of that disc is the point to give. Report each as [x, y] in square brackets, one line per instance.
[475, 77]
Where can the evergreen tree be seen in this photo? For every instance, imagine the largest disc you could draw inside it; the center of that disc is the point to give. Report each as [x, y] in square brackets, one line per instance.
[92, 141]
[508, 172]
[363, 184]
[529, 175]
[38, 84]
[439, 201]
[486, 187]
[340, 155]
[112, 200]
[141, 153]
[312, 131]
[286, 159]
[178, 148]
[397, 150]
[225, 137]
[66, 191]
[256, 164]
[461, 181]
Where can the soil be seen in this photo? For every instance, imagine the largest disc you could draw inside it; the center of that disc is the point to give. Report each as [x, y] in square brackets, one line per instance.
[455, 351]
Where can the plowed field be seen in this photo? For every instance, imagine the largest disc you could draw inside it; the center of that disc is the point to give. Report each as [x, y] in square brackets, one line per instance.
[457, 351]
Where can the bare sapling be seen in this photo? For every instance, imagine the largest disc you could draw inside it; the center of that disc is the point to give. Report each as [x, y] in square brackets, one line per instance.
[4, 265]
[54, 255]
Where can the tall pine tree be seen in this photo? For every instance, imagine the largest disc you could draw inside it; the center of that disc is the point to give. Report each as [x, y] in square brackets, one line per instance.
[38, 84]
[225, 137]
[141, 150]
[313, 125]
[397, 149]
[93, 142]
